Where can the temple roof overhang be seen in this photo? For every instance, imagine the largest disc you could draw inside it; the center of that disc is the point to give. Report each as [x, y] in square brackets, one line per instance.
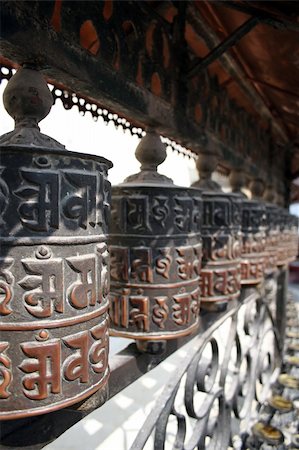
[203, 73]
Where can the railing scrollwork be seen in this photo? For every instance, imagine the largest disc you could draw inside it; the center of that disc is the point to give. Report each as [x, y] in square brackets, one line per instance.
[222, 383]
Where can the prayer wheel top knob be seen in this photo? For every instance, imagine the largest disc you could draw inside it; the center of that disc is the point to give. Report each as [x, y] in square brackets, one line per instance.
[257, 188]
[27, 96]
[269, 194]
[207, 161]
[150, 152]
[28, 100]
[237, 180]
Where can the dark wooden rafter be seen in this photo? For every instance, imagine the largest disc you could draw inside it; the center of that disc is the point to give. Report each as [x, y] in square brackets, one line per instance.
[223, 46]
[262, 15]
[234, 70]
[130, 64]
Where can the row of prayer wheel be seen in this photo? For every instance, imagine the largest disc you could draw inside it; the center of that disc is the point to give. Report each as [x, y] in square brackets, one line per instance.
[167, 254]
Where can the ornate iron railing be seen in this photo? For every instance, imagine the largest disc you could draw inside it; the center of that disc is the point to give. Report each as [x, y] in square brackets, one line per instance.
[215, 395]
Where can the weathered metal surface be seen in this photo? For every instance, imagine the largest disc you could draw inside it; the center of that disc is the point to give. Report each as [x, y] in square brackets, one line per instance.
[221, 233]
[254, 252]
[221, 273]
[281, 233]
[156, 252]
[255, 257]
[54, 276]
[288, 238]
[272, 238]
[294, 237]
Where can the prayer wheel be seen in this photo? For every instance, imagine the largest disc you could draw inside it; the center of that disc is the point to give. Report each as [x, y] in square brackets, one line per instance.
[156, 252]
[293, 242]
[272, 231]
[285, 243]
[54, 276]
[221, 234]
[254, 253]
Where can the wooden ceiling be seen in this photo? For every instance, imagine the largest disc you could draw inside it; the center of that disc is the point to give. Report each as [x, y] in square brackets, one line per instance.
[268, 57]
[259, 66]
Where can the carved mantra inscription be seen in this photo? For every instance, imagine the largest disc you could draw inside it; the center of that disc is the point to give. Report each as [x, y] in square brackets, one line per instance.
[272, 242]
[287, 246]
[220, 277]
[6, 285]
[5, 371]
[54, 319]
[146, 265]
[222, 247]
[156, 254]
[220, 283]
[252, 270]
[255, 255]
[137, 312]
[54, 280]
[46, 200]
[42, 208]
[254, 258]
[53, 286]
[154, 290]
[145, 214]
[45, 370]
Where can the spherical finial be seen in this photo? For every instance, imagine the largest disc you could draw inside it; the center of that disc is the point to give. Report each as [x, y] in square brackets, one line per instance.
[28, 100]
[206, 164]
[279, 199]
[27, 96]
[269, 194]
[257, 187]
[150, 152]
[237, 180]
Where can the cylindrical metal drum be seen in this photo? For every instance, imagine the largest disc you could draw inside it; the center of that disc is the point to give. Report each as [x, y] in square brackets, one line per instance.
[221, 272]
[156, 252]
[54, 267]
[283, 248]
[272, 238]
[254, 242]
[293, 244]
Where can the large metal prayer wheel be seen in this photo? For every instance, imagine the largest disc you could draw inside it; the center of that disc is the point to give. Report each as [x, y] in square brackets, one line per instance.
[272, 238]
[221, 234]
[221, 271]
[254, 242]
[293, 242]
[156, 252]
[284, 241]
[54, 277]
